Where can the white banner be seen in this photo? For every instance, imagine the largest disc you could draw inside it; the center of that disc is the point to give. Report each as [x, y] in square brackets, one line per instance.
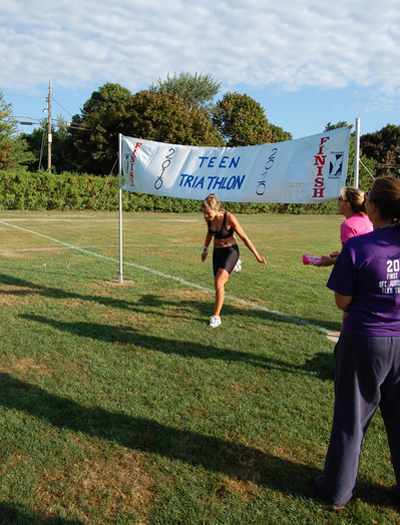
[308, 170]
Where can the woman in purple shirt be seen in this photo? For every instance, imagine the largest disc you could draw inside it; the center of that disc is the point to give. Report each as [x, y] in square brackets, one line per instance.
[366, 282]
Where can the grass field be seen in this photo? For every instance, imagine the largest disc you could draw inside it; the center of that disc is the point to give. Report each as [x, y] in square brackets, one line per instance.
[119, 405]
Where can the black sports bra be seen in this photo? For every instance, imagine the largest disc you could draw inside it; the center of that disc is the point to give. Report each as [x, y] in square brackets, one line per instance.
[223, 233]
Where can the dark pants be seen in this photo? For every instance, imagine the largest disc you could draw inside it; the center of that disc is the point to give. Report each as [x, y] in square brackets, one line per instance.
[367, 375]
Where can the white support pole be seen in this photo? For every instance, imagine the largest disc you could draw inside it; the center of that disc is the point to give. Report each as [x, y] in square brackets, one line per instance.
[357, 155]
[49, 134]
[120, 273]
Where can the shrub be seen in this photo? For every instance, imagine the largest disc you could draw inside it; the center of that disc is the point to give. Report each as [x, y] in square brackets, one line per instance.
[68, 191]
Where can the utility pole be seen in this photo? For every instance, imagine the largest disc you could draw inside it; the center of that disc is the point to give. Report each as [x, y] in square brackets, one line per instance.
[49, 135]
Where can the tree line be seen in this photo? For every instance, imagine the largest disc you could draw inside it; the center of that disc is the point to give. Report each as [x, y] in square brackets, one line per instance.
[177, 110]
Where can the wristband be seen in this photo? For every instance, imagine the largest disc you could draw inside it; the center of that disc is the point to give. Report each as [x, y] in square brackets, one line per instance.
[205, 248]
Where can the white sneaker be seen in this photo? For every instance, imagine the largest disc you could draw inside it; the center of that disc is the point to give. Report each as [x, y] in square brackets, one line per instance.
[238, 267]
[215, 321]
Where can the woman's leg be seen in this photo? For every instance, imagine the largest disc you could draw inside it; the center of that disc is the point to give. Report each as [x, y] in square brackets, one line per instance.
[390, 407]
[220, 280]
[361, 365]
[224, 261]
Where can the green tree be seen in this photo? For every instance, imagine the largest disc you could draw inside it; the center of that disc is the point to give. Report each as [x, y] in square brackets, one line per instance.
[95, 132]
[109, 99]
[241, 120]
[384, 147]
[278, 134]
[196, 90]
[161, 116]
[37, 146]
[63, 152]
[366, 168]
[8, 131]
[340, 124]
[13, 147]
[166, 117]
[20, 156]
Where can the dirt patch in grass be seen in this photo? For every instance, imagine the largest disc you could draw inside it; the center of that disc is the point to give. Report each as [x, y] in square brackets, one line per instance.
[246, 489]
[16, 296]
[23, 365]
[100, 488]
[180, 220]
[186, 294]
[9, 253]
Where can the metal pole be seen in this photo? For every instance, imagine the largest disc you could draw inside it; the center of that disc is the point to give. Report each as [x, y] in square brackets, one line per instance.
[357, 154]
[120, 274]
[49, 135]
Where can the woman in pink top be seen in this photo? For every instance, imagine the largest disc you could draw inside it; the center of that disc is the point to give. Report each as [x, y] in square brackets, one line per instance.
[351, 204]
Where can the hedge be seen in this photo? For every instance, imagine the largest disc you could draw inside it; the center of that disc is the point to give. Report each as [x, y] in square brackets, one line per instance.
[70, 191]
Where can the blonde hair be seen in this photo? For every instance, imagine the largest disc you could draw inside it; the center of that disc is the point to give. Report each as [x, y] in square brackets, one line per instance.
[355, 197]
[385, 194]
[212, 203]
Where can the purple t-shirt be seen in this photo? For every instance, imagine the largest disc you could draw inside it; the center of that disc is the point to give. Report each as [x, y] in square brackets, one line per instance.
[368, 269]
[358, 224]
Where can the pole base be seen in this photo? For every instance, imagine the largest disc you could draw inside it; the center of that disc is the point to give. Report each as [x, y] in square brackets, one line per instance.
[122, 282]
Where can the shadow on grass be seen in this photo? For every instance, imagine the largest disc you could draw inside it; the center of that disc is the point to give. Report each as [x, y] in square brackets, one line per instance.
[11, 515]
[29, 287]
[321, 365]
[236, 461]
[159, 302]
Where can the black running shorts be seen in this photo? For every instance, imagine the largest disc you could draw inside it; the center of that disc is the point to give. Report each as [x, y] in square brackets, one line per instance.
[225, 258]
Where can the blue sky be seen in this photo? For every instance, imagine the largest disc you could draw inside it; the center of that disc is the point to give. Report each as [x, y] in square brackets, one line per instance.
[307, 63]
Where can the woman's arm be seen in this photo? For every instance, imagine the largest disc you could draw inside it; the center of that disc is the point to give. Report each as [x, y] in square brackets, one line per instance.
[328, 260]
[239, 230]
[206, 245]
[343, 301]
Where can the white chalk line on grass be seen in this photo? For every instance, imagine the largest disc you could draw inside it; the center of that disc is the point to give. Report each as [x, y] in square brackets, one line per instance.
[243, 302]
[57, 248]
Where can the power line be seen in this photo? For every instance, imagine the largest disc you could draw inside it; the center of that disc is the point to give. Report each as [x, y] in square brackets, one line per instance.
[26, 96]
[71, 125]
[62, 107]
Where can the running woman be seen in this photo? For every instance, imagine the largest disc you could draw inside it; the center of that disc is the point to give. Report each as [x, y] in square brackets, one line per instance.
[222, 226]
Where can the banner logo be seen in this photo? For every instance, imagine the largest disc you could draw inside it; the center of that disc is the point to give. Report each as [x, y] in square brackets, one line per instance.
[336, 167]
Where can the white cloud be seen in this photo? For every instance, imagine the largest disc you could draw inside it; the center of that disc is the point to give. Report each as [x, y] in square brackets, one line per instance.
[261, 42]
[285, 46]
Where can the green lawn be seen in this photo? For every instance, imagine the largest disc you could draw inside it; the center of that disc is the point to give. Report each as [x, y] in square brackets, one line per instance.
[119, 405]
